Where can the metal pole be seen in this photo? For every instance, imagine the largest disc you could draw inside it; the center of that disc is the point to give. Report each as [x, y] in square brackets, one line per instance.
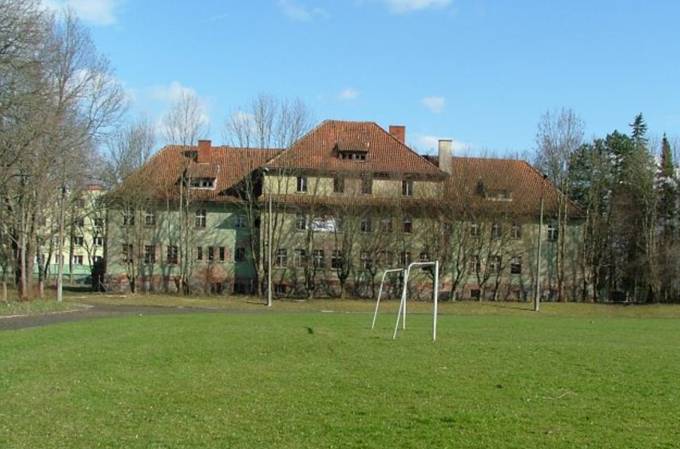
[436, 300]
[537, 292]
[60, 269]
[377, 304]
[269, 251]
[405, 292]
[401, 305]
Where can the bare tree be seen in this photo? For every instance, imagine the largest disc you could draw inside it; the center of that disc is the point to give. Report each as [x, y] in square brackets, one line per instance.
[185, 123]
[558, 137]
[265, 123]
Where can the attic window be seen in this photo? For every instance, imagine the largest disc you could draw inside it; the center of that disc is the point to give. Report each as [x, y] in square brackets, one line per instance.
[203, 183]
[498, 195]
[353, 155]
[191, 154]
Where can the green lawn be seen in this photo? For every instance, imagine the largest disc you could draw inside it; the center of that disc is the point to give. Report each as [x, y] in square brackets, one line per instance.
[36, 307]
[321, 380]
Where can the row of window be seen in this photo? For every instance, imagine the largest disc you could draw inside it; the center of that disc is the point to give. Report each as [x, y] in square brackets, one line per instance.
[366, 185]
[495, 265]
[76, 259]
[338, 258]
[515, 231]
[200, 219]
[366, 224]
[80, 241]
[210, 254]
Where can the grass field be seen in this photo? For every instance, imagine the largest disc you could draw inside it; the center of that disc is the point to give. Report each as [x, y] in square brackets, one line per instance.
[303, 379]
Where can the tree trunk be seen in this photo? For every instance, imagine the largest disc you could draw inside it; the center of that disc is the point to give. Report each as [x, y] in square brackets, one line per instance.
[4, 291]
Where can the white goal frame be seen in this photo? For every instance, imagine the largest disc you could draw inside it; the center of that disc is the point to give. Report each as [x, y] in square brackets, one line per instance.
[401, 315]
[382, 282]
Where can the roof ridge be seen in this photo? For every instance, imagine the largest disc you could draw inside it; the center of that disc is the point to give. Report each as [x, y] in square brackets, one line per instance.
[403, 144]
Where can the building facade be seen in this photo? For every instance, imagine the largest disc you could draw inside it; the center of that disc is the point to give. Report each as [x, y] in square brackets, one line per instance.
[343, 203]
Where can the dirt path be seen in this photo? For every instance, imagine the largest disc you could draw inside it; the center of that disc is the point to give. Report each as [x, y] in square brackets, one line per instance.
[91, 312]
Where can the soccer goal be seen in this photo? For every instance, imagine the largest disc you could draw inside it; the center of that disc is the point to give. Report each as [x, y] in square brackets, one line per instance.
[382, 283]
[401, 315]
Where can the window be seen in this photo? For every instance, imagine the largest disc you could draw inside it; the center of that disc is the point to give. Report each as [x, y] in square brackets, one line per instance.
[424, 256]
[128, 254]
[240, 222]
[495, 264]
[300, 257]
[300, 222]
[201, 216]
[366, 186]
[128, 217]
[301, 184]
[78, 241]
[337, 261]
[99, 241]
[516, 231]
[281, 259]
[553, 233]
[98, 223]
[222, 252]
[496, 231]
[77, 260]
[211, 253]
[366, 262]
[474, 265]
[516, 265]
[353, 155]
[149, 253]
[80, 222]
[171, 258]
[98, 259]
[407, 187]
[338, 184]
[240, 254]
[199, 253]
[475, 230]
[203, 183]
[405, 258]
[407, 225]
[386, 224]
[386, 258]
[366, 224]
[318, 258]
[149, 218]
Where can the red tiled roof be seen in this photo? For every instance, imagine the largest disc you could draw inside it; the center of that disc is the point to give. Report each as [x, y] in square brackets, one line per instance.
[227, 165]
[317, 151]
[474, 180]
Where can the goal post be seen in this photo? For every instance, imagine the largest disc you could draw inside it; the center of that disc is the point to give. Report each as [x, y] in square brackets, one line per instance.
[382, 283]
[401, 314]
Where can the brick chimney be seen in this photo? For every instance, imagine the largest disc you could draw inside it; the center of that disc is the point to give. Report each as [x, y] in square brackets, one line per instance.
[445, 150]
[399, 132]
[204, 150]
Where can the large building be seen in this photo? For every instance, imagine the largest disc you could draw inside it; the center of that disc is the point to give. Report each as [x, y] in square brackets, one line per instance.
[344, 202]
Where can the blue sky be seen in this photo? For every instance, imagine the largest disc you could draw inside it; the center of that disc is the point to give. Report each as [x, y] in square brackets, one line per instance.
[480, 72]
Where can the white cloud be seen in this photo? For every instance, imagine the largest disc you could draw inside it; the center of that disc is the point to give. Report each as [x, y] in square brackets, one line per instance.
[349, 93]
[296, 11]
[434, 104]
[407, 6]
[96, 12]
[431, 143]
[176, 91]
[171, 92]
